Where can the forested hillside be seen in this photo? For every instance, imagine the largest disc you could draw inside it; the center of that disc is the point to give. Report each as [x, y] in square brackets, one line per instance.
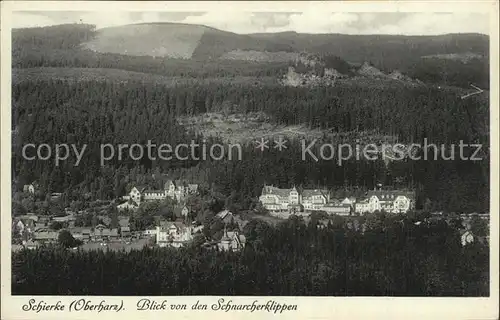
[119, 107]
[69, 46]
[92, 113]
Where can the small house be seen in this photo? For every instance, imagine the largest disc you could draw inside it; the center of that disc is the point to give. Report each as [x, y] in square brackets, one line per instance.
[232, 241]
[466, 237]
[125, 232]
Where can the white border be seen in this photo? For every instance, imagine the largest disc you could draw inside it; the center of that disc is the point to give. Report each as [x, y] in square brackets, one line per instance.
[309, 307]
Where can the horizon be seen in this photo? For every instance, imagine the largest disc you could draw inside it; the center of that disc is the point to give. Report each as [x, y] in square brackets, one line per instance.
[253, 33]
[311, 22]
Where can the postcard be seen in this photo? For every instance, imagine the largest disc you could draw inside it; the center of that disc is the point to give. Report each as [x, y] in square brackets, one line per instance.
[248, 160]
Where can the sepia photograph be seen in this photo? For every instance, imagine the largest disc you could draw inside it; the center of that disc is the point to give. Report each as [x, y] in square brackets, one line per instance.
[260, 153]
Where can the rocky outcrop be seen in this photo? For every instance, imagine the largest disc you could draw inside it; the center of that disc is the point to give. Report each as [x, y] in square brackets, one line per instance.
[310, 79]
[370, 71]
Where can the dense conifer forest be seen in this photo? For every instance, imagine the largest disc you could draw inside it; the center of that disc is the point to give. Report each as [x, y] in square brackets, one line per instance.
[95, 113]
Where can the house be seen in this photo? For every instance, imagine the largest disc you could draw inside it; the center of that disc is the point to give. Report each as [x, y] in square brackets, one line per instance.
[125, 232]
[81, 233]
[30, 188]
[45, 236]
[136, 194]
[466, 237]
[31, 245]
[173, 234]
[192, 188]
[276, 199]
[177, 190]
[128, 205]
[26, 222]
[314, 200]
[18, 226]
[101, 233]
[350, 201]
[185, 211]
[231, 241]
[225, 216]
[392, 201]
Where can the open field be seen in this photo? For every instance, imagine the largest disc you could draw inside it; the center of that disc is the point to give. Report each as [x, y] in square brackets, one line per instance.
[234, 128]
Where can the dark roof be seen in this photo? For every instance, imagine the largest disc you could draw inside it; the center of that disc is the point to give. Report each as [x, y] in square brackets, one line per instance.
[165, 225]
[283, 193]
[106, 232]
[316, 192]
[391, 194]
[141, 188]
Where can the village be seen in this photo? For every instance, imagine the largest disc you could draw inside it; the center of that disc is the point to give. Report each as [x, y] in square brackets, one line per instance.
[33, 231]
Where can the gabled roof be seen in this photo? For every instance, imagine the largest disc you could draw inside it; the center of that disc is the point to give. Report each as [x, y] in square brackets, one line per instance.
[168, 183]
[270, 190]
[465, 231]
[165, 225]
[390, 194]
[140, 188]
[306, 193]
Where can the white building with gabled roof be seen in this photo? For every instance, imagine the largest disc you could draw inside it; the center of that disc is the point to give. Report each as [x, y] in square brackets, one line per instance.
[392, 201]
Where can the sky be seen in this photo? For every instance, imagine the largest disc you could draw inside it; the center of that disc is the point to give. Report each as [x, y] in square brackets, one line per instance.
[251, 22]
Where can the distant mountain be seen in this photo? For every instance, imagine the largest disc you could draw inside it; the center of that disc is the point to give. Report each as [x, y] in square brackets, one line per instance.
[384, 51]
[148, 47]
[177, 40]
[174, 40]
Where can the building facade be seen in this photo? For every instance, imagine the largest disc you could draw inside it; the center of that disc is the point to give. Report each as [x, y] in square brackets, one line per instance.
[232, 241]
[278, 200]
[177, 190]
[173, 234]
[392, 201]
[293, 201]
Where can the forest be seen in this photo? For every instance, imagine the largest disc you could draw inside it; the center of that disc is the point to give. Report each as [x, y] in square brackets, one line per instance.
[394, 257]
[95, 113]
